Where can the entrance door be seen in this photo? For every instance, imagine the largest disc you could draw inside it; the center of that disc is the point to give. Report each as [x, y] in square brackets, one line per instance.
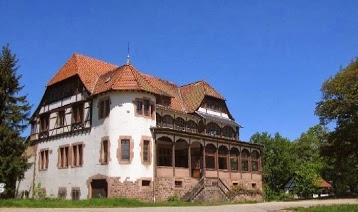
[99, 188]
[196, 161]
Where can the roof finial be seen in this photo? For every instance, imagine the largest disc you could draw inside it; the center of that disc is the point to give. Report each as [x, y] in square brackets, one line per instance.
[128, 57]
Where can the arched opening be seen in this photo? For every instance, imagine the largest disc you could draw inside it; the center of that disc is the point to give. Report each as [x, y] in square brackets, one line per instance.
[245, 160]
[181, 154]
[196, 150]
[228, 132]
[99, 188]
[223, 157]
[164, 151]
[234, 159]
[179, 123]
[167, 121]
[210, 151]
[255, 157]
[192, 126]
[213, 129]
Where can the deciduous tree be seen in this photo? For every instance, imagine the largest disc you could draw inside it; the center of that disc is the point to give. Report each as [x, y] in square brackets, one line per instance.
[339, 106]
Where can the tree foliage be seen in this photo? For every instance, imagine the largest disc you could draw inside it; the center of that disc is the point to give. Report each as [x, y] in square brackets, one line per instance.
[278, 159]
[301, 159]
[339, 106]
[14, 113]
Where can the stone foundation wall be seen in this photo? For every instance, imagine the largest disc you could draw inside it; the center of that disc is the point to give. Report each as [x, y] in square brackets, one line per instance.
[248, 197]
[210, 194]
[130, 189]
[165, 187]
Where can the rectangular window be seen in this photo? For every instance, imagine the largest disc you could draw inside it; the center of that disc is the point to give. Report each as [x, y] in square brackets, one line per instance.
[75, 193]
[43, 163]
[62, 193]
[77, 151]
[63, 157]
[210, 161]
[104, 108]
[234, 163]
[164, 156]
[104, 152]
[146, 108]
[60, 118]
[145, 183]
[44, 122]
[244, 165]
[125, 150]
[145, 151]
[178, 184]
[77, 113]
[222, 162]
[139, 105]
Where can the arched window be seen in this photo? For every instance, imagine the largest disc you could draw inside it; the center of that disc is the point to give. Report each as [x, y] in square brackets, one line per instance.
[167, 121]
[245, 160]
[192, 126]
[179, 123]
[228, 132]
[223, 157]
[159, 120]
[234, 159]
[210, 151]
[255, 157]
[213, 129]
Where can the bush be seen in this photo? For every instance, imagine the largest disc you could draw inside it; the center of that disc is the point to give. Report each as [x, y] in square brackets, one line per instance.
[174, 198]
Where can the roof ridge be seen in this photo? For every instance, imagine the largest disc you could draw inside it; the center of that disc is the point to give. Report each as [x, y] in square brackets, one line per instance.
[192, 83]
[163, 80]
[93, 58]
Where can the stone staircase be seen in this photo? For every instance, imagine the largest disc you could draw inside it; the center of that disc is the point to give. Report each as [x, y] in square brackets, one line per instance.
[208, 189]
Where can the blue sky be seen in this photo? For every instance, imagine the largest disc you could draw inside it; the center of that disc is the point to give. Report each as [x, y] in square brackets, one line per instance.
[268, 58]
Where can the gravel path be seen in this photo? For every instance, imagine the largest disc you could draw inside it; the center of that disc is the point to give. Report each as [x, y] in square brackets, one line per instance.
[257, 207]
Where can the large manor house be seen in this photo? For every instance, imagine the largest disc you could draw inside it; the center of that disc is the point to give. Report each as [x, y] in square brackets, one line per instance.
[102, 130]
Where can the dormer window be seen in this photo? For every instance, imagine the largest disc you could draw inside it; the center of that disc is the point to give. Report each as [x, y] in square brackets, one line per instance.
[77, 113]
[33, 127]
[60, 118]
[44, 122]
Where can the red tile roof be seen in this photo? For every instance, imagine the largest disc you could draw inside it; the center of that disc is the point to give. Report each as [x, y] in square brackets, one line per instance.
[194, 93]
[87, 68]
[99, 76]
[324, 184]
[125, 77]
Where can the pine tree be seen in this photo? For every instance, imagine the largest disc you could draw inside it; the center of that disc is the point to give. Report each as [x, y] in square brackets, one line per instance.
[14, 116]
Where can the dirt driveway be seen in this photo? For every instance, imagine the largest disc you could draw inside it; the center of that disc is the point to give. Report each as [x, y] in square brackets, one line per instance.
[257, 207]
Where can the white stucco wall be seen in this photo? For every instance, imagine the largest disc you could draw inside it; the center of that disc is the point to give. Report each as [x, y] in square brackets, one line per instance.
[122, 121]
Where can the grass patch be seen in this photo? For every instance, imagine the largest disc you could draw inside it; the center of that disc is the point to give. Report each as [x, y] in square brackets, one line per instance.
[328, 208]
[91, 203]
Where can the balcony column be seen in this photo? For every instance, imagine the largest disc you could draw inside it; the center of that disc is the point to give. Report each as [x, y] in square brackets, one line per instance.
[173, 156]
[228, 158]
[240, 165]
[217, 159]
[189, 157]
[204, 162]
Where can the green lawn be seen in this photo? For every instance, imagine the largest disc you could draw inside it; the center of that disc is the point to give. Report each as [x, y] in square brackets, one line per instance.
[331, 208]
[90, 203]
